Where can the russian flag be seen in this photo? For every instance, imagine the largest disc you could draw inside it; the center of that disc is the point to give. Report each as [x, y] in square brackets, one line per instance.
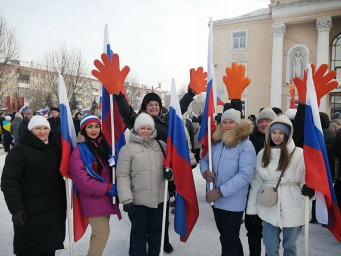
[318, 175]
[220, 102]
[186, 203]
[68, 139]
[119, 126]
[23, 110]
[211, 98]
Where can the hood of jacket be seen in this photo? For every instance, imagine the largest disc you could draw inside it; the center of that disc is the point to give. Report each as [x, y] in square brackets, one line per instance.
[280, 119]
[232, 137]
[30, 139]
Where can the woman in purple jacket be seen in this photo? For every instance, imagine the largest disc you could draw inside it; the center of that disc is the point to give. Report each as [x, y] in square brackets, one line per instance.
[91, 175]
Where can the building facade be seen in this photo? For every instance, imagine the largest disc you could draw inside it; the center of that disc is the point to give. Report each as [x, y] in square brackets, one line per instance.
[276, 44]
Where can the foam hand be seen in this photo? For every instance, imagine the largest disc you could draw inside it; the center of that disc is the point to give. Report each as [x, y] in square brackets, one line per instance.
[198, 80]
[323, 83]
[109, 73]
[236, 81]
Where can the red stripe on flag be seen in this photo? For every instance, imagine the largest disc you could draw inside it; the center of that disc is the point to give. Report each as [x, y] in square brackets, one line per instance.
[64, 164]
[80, 223]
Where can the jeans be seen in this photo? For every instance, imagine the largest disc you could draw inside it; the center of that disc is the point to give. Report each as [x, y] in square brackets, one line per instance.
[228, 224]
[271, 239]
[146, 227]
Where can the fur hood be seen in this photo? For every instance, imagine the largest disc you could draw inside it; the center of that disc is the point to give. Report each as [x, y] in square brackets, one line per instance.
[232, 137]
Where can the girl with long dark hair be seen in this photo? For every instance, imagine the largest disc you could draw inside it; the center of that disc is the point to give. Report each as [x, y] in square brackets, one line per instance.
[92, 177]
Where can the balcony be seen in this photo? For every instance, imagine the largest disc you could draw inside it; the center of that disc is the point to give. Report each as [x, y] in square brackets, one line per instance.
[338, 88]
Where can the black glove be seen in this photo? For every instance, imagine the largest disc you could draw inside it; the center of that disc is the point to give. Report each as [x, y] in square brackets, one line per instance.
[19, 218]
[168, 175]
[306, 191]
[129, 208]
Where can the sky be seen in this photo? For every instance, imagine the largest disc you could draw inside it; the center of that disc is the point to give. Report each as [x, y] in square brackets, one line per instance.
[158, 39]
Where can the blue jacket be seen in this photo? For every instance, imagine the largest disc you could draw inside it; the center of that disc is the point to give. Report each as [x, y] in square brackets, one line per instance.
[234, 162]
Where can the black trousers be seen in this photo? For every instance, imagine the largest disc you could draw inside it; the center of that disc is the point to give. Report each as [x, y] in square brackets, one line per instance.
[228, 224]
[146, 227]
[254, 234]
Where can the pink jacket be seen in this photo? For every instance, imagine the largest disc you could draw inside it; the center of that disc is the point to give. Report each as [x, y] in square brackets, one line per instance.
[92, 193]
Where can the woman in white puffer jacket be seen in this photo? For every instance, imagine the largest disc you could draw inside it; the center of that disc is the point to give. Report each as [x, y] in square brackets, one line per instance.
[288, 214]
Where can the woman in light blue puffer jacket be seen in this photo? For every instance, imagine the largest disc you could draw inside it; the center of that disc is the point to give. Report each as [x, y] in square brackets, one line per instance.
[233, 162]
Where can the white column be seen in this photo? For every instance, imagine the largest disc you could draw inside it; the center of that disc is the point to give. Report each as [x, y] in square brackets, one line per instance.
[323, 26]
[278, 31]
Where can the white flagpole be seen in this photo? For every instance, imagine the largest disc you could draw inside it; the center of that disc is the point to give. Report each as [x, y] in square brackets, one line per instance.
[112, 140]
[68, 211]
[209, 151]
[164, 214]
[306, 228]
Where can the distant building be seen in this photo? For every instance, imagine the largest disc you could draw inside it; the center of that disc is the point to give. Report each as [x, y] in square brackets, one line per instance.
[275, 44]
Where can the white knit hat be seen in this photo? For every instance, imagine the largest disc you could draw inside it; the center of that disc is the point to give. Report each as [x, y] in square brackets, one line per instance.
[266, 114]
[8, 118]
[38, 121]
[231, 114]
[144, 119]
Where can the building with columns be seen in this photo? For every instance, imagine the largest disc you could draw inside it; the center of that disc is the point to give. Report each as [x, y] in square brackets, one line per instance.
[276, 44]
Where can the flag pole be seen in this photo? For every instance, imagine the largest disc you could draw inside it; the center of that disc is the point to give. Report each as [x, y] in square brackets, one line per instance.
[165, 199]
[68, 210]
[209, 150]
[112, 140]
[306, 228]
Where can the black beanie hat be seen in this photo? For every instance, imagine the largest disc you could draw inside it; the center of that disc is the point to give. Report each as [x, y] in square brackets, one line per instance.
[150, 97]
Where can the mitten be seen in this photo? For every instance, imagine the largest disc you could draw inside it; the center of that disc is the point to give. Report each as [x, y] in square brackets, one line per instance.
[129, 208]
[112, 190]
[19, 218]
[168, 175]
[323, 83]
[213, 195]
[198, 80]
[236, 81]
[109, 73]
[306, 191]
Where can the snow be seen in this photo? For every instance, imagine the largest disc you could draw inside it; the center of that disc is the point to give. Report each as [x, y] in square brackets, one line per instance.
[203, 241]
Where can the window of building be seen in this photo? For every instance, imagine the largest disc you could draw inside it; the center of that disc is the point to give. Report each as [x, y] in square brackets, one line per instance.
[336, 56]
[335, 104]
[239, 40]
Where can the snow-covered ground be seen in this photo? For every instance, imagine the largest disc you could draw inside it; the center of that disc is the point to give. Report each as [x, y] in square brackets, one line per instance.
[204, 240]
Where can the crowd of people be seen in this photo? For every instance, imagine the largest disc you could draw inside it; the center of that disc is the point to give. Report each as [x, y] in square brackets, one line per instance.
[248, 155]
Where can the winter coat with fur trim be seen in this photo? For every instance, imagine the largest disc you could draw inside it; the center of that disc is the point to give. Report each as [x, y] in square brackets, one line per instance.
[233, 169]
[31, 181]
[289, 210]
[92, 193]
[140, 171]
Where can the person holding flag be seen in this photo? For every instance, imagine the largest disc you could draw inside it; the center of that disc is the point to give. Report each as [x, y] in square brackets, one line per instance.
[90, 173]
[151, 103]
[234, 161]
[281, 163]
[140, 185]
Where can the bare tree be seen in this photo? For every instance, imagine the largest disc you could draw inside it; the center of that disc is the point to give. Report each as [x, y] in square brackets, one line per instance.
[134, 92]
[71, 65]
[9, 51]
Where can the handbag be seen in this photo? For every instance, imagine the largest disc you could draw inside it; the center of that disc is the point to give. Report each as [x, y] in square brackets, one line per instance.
[268, 196]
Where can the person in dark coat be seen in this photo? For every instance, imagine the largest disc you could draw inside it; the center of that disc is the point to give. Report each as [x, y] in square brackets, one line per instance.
[77, 122]
[253, 223]
[23, 125]
[15, 127]
[337, 153]
[54, 121]
[34, 191]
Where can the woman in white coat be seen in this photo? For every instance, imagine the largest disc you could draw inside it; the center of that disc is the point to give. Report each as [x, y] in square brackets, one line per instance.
[280, 153]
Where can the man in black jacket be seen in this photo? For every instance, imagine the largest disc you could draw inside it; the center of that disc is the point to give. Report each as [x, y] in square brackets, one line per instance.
[54, 121]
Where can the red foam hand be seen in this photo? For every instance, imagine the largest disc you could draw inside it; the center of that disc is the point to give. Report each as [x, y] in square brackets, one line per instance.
[109, 73]
[236, 81]
[198, 80]
[322, 81]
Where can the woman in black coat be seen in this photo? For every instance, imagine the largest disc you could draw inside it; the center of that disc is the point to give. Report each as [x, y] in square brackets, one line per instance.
[34, 191]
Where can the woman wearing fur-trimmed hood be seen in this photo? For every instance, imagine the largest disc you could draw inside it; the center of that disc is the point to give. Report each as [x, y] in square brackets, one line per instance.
[233, 162]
